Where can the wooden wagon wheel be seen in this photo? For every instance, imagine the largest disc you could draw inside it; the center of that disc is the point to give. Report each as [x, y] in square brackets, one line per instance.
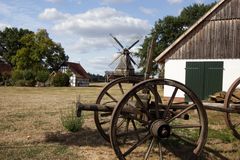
[232, 101]
[110, 95]
[145, 125]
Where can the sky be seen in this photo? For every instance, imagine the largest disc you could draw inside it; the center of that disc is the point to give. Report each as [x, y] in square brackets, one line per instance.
[83, 27]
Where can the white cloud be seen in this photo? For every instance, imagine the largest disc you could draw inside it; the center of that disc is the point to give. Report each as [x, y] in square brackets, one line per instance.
[90, 30]
[148, 11]
[115, 1]
[85, 44]
[101, 22]
[100, 61]
[52, 14]
[174, 1]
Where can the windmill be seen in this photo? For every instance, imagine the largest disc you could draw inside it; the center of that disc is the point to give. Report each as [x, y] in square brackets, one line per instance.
[124, 59]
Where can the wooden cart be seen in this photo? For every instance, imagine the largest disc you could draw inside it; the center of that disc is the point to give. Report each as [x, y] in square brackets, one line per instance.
[140, 123]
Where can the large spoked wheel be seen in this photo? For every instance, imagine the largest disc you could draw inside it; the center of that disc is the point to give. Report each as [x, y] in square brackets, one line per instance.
[146, 125]
[232, 101]
[110, 95]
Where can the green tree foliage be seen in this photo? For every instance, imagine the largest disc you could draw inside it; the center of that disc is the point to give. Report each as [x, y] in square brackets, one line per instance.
[31, 52]
[168, 29]
[39, 51]
[60, 79]
[9, 39]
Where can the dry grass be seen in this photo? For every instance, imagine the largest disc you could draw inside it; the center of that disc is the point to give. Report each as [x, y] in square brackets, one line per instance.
[30, 127]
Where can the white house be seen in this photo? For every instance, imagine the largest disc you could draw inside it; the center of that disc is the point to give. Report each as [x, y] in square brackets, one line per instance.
[207, 56]
[79, 76]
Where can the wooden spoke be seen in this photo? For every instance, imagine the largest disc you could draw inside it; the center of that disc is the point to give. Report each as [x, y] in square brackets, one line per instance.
[121, 123]
[135, 128]
[179, 114]
[157, 97]
[160, 151]
[143, 105]
[121, 89]
[149, 149]
[236, 125]
[126, 131]
[135, 118]
[154, 90]
[137, 144]
[110, 96]
[170, 103]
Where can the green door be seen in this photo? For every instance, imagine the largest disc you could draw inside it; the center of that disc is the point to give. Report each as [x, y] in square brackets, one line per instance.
[204, 78]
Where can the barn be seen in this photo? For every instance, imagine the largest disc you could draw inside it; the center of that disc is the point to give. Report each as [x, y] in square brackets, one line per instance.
[79, 77]
[207, 56]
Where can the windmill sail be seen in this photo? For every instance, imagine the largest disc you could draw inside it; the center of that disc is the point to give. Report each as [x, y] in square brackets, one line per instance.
[124, 66]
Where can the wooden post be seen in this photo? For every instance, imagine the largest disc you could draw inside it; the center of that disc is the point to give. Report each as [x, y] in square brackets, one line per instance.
[149, 57]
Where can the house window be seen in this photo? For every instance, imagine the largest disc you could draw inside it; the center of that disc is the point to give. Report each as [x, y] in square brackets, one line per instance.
[64, 69]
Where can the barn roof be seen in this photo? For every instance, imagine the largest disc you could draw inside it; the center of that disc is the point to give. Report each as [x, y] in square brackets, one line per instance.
[77, 69]
[166, 53]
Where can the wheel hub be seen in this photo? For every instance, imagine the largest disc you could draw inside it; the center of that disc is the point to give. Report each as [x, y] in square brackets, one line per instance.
[160, 129]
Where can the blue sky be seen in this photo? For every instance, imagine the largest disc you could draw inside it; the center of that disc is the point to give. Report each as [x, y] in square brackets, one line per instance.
[83, 26]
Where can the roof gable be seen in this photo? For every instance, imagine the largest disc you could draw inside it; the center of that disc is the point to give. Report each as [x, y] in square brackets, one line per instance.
[223, 10]
[77, 69]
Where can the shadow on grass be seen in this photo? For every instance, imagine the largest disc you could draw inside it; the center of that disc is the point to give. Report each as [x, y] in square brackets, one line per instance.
[183, 150]
[90, 137]
[84, 137]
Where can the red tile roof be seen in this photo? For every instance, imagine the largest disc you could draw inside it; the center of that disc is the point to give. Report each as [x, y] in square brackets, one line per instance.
[77, 69]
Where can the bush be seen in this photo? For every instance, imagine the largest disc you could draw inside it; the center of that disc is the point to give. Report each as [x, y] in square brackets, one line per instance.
[28, 75]
[17, 75]
[23, 82]
[42, 76]
[70, 121]
[23, 77]
[60, 79]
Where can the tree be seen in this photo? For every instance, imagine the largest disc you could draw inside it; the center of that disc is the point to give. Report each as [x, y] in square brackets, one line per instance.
[9, 40]
[39, 52]
[31, 52]
[168, 29]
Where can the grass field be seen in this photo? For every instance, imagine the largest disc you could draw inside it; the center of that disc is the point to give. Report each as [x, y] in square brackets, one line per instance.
[30, 127]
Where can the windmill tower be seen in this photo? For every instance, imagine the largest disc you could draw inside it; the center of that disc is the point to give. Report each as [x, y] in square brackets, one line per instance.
[125, 66]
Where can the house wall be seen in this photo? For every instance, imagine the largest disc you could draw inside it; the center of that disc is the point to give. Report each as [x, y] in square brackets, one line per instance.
[83, 82]
[175, 69]
[72, 80]
[75, 80]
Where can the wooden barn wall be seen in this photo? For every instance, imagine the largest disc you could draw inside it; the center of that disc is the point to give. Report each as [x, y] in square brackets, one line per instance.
[217, 37]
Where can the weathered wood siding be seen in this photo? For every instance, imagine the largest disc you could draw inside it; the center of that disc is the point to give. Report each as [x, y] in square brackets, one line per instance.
[217, 37]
